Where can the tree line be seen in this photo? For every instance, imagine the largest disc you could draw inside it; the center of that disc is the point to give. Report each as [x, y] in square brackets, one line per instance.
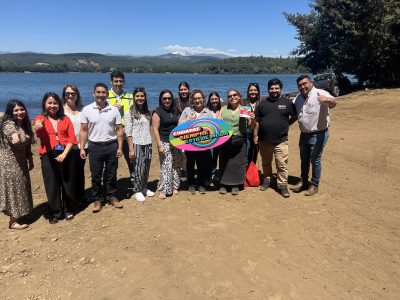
[235, 65]
[361, 37]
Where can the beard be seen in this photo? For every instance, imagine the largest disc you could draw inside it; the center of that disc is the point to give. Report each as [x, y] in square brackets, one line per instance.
[275, 95]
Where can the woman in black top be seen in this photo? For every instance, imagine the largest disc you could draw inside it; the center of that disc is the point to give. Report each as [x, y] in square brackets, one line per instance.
[165, 118]
[253, 99]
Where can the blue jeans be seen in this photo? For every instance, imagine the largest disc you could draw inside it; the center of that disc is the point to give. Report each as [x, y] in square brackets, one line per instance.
[311, 147]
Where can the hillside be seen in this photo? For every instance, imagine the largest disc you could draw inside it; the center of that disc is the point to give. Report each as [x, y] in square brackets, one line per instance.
[174, 63]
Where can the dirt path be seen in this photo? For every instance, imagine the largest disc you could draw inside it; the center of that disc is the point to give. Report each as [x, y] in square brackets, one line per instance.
[342, 244]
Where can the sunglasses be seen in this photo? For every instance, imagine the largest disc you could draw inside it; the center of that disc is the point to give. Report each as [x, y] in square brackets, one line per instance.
[67, 94]
[167, 98]
[232, 95]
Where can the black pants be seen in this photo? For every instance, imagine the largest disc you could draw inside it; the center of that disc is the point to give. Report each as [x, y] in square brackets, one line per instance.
[125, 151]
[202, 159]
[77, 171]
[58, 183]
[103, 158]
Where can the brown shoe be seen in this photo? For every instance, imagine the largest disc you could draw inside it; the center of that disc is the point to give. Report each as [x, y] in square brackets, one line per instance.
[312, 190]
[116, 204]
[97, 206]
[300, 186]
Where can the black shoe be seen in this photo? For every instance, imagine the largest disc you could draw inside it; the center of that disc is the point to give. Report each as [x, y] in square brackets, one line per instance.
[202, 189]
[284, 191]
[53, 220]
[300, 186]
[222, 190]
[69, 216]
[192, 189]
[235, 191]
[265, 185]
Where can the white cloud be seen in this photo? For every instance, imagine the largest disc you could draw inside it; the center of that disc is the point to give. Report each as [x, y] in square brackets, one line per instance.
[198, 50]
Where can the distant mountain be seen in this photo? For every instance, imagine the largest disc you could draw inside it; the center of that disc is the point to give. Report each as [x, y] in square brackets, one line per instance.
[94, 62]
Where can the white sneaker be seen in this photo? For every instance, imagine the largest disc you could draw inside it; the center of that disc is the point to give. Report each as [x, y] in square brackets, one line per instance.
[139, 197]
[148, 193]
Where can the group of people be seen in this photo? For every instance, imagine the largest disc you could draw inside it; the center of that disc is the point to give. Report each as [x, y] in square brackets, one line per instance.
[119, 123]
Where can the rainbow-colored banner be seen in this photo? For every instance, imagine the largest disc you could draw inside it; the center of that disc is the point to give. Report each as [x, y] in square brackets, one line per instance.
[200, 134]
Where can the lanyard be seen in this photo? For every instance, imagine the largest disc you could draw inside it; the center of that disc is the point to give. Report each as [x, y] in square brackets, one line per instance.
[55, 130]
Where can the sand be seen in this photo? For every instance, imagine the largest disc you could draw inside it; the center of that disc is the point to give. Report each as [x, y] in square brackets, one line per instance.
[344, 243]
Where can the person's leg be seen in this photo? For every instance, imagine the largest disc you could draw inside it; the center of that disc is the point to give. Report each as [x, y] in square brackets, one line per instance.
[69, 184]
[96, 164]
[203, 159]
[190, 162]
[305, 143]
[147, 155]
[281, 153]
[125, 151]
[317, 148]
[249, 146]
[111, 161]
[165, 185]
[266, 151]
[176, 167]
[52, 183]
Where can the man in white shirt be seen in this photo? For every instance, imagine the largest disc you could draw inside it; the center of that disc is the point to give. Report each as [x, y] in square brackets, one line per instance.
[101, 124]
[312, 106]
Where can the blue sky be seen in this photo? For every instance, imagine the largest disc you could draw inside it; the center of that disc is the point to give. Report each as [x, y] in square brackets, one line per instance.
[151, 27]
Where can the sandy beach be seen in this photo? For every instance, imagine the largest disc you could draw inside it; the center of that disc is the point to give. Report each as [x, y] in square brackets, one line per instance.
[343, 243]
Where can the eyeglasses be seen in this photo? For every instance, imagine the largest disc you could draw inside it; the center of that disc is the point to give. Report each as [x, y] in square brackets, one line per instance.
[73, 94]
[232, 95]
[167, 98]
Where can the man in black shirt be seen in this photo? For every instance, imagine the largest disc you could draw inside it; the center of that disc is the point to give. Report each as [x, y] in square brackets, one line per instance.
[274, 115]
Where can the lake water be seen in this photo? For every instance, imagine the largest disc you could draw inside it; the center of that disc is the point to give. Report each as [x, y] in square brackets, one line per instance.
[30, 87]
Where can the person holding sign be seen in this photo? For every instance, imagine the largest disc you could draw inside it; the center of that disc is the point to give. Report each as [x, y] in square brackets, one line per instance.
[197, 109]
[232, 160]
[57, 137]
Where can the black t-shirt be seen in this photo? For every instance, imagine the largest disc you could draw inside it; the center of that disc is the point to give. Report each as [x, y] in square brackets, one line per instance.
[273, 118]
[168, 121]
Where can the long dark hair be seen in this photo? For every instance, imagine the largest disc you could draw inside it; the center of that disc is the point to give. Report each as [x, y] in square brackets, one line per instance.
[255, 84]
[60, 113]
[179, 99]
[209, 106]
[9, 116]
[78, 102]
[135, 110]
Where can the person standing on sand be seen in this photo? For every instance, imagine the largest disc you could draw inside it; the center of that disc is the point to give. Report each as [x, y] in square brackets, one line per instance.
[137, 130]
[16, 137]
[123, 101]
[232, 155]
[165, 119]
[201, 159]
[57, 137]
[312, 106]
[72, 101]
[101, 125]
[253, 100]
[274, 115]
[214, 104]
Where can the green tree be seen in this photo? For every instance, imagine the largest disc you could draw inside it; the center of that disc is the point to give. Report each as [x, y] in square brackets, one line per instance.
[361, 37]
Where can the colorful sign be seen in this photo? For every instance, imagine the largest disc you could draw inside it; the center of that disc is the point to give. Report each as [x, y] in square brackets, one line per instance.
[200, 134]
[246, 112]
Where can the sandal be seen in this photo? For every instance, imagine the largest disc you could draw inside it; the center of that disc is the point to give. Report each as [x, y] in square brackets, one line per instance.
[18, 226]
[162, 195]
